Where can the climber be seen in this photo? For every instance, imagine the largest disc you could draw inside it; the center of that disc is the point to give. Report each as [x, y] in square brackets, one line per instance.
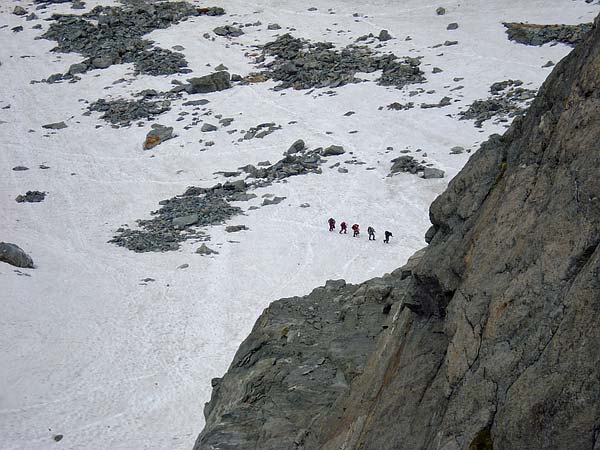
[355, 230]
[343, 227]
[388, 235]
[331, 222]
[371, 232]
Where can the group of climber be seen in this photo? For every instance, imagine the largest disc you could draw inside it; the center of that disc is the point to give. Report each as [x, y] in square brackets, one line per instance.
[356, 230]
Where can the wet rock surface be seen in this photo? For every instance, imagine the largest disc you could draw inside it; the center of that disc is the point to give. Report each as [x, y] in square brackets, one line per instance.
[110, 35]
[508, 100]
[300, 64]
[395, 106]
[493, 343]
[228, 31]
[408, 164]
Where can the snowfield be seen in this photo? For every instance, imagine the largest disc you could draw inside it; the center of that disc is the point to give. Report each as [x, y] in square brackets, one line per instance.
[90, 351]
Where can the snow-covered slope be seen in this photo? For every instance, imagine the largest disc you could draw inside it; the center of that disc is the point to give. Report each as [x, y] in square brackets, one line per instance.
[90, 351]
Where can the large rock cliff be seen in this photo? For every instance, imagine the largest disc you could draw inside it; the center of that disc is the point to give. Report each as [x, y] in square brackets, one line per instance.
[490, 341]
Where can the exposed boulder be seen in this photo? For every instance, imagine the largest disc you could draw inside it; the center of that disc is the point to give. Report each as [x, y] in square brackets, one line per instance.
[31, 197]
[236, 228]
[334, 150]
[208, 127]
[15, 256]
[157, 135]
[228, 31]
[55, 126]
[273, 201]
[406, 163]
[217, 81]
[204, 250]
[432, 172]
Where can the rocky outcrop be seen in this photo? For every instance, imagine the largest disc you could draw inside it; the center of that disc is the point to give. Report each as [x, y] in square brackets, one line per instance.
[15, 255]
[304, 65]
[494, 341]
[508, 99]
[300, 357]
[532, 34]
[122, 112]
[109, 35]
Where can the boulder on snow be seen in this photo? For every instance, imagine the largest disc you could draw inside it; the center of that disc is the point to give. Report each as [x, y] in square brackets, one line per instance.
[55, 126]
[432, 172]
[157, 135]
[217, 81]
[228, 31]
[205, 250]
[15, 256]
[31, 197]
[236, 228]
[384, 35]
[273, 201]
[297, 146]
[206, 127]
[334, 150]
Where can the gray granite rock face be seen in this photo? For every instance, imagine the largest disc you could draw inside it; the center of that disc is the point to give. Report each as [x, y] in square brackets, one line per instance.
[493, 341]
[302, 354]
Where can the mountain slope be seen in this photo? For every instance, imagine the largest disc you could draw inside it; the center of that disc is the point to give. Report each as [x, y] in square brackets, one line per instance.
[495, 342]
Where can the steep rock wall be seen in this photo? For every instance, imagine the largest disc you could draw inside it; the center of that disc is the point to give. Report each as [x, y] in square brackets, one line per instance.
[494, 342]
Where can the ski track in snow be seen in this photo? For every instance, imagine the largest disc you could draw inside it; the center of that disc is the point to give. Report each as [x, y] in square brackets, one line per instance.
[90, 351]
